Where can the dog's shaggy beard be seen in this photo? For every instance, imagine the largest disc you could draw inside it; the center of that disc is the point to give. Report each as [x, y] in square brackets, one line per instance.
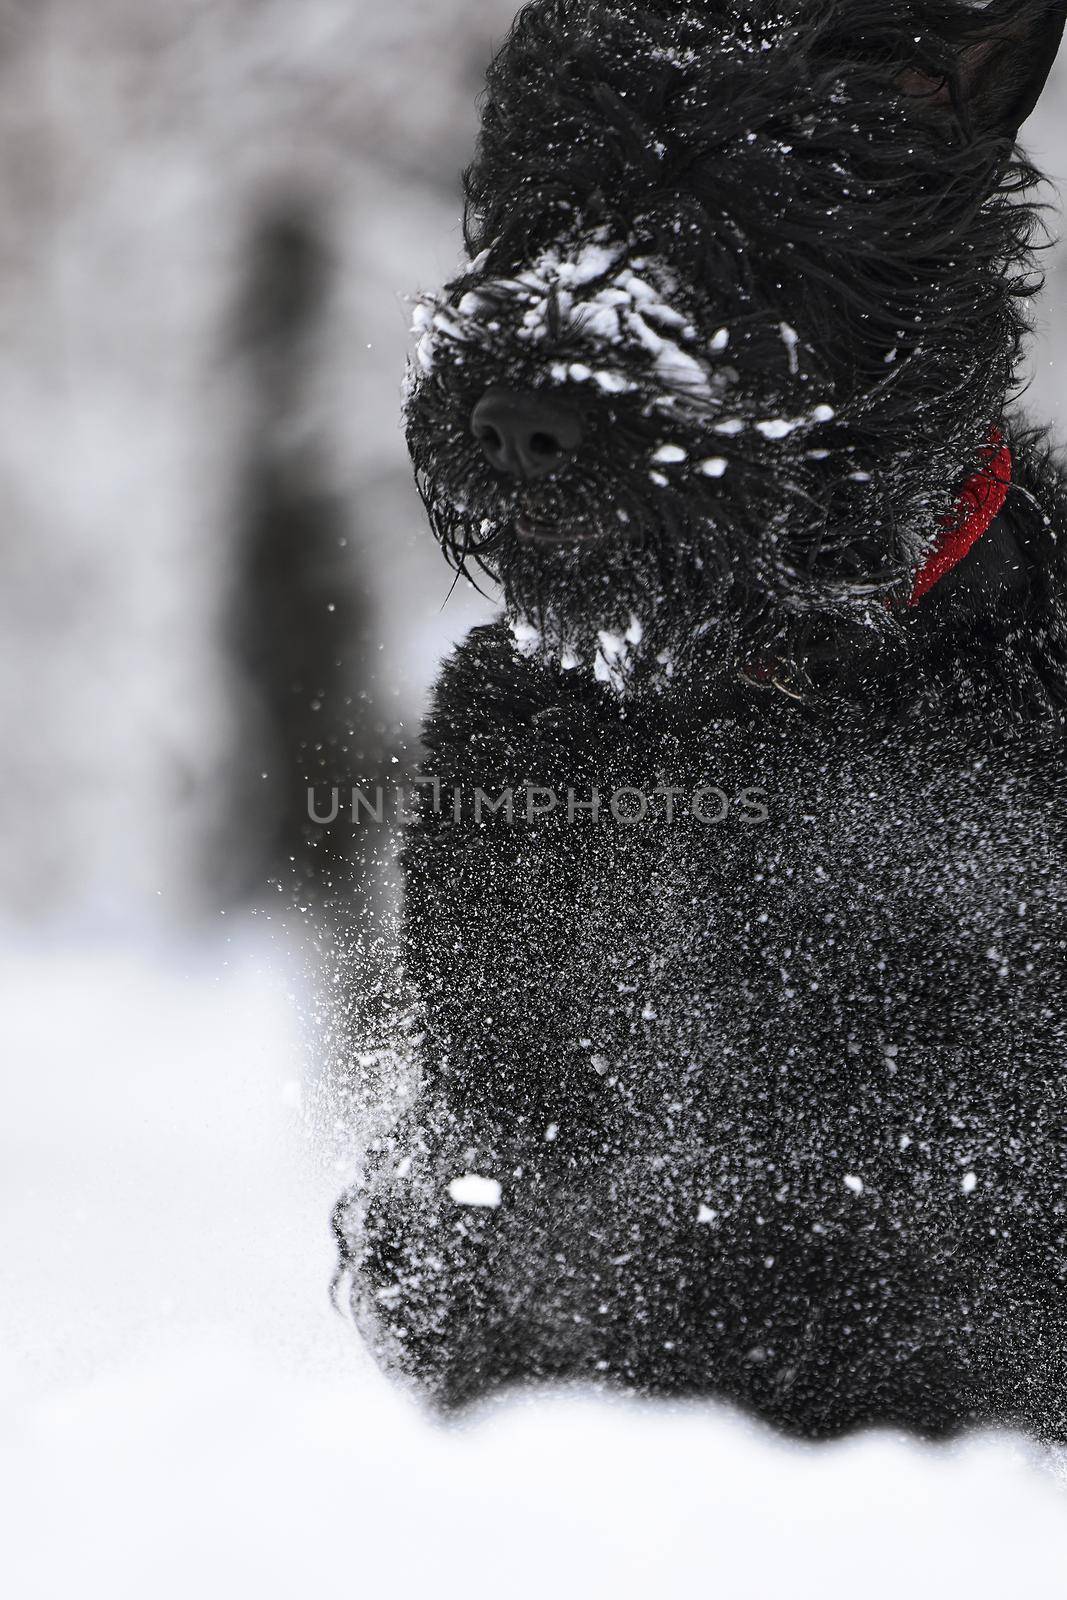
[789, 549]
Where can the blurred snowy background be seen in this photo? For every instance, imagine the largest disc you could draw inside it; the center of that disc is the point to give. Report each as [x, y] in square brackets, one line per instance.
[180, 1410]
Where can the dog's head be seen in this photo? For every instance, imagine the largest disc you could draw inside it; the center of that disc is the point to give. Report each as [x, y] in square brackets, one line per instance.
[742, 306]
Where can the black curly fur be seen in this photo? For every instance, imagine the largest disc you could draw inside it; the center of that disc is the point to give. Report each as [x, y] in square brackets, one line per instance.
[776, 1111]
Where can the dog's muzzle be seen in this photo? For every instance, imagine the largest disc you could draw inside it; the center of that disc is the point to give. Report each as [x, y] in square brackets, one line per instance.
[530, 437]
[525, 436]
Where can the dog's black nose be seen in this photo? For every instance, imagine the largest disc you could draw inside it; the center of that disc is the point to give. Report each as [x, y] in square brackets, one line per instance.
[525, 435]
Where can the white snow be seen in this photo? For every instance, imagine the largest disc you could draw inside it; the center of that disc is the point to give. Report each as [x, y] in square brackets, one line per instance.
[614, 653]
[679, 370]
[630, 311]
[474, 1190]
[612, 382]
[791, 339]
[183, 1413]
[527, 637]
[595, 258]
[777, 428]
[853, 1182]
[577, 372]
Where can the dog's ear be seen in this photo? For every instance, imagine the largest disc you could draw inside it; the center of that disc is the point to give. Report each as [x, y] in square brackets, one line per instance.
[1004, 55]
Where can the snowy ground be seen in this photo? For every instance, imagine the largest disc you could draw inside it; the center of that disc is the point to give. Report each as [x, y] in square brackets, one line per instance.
[185, 1414]
[181, 1411]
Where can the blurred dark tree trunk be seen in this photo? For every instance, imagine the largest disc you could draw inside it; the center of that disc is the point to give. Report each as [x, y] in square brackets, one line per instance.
[305, 624]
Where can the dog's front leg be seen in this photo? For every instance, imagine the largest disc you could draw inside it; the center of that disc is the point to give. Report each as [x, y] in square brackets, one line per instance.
[456, 1244]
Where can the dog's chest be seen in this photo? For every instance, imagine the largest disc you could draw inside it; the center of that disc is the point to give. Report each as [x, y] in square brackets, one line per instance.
[783, 892]
[846, 988]
[762, 936]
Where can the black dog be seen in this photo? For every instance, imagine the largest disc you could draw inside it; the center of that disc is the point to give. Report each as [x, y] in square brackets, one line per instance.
[750, 1080]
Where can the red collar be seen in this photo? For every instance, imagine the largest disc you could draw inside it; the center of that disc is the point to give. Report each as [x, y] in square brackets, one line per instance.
[981, 500]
